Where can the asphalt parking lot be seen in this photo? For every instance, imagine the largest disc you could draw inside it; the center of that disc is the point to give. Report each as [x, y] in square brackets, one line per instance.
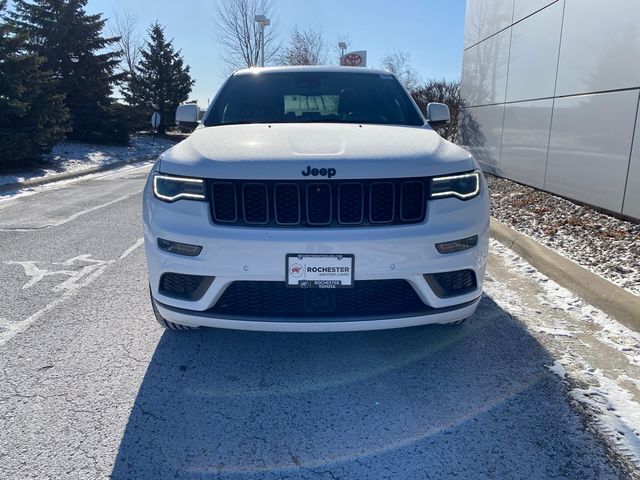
[92, 387]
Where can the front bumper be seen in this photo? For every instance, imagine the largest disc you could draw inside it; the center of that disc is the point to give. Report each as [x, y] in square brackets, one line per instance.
[233, 254]
[201, 319]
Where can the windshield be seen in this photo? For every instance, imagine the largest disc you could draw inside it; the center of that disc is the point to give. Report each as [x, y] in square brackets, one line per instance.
[303, 97]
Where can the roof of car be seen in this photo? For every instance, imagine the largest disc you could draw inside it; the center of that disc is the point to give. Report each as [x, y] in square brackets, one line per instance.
[311, 68]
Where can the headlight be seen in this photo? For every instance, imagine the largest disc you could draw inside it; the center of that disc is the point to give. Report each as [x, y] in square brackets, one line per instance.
[170, 189]
[463, 186]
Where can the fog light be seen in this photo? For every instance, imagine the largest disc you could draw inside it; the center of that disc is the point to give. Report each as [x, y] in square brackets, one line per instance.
[179, 248]
[457, 245]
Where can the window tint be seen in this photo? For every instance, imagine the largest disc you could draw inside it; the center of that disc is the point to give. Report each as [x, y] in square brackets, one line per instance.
[299, 97]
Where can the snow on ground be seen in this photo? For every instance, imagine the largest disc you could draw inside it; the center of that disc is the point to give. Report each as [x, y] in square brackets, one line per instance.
[604, 244]
[72, 156]
[10, 195]
[598, 357]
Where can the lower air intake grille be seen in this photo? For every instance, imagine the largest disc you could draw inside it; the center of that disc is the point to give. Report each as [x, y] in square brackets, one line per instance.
[274, 299]
[450, 284]
[186, 287]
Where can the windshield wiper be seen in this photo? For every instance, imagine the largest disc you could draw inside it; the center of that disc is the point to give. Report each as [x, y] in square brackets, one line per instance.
[314, 120]
[324, 120]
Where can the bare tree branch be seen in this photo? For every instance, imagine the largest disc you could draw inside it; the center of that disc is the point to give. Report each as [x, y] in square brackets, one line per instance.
[399, 63]
[239, 34]
[442, 91]
[305, 48]
[124, 25]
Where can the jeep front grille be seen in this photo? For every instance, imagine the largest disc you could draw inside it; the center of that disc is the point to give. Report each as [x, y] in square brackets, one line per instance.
[330, 203]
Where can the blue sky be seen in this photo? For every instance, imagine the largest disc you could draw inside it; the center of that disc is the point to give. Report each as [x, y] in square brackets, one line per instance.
[430, 30]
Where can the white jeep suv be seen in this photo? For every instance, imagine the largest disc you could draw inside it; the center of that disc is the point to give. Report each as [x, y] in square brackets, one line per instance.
[315, 199]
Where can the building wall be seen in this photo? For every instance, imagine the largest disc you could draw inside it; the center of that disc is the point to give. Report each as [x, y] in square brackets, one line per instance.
[552, 90]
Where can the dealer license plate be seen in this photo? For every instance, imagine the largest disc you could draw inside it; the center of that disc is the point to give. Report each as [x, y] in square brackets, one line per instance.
[316, 270]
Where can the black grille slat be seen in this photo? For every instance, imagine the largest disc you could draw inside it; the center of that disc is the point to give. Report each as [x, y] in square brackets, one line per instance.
[255, 203]
[329, 203]
[382, 202]
[224, 202]
[319, 204]
[274, 299]
[411, 204]
[350, 203]
[287, 203]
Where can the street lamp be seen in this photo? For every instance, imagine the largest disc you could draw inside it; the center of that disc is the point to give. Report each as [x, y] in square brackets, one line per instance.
[342, 46]
[263, 22]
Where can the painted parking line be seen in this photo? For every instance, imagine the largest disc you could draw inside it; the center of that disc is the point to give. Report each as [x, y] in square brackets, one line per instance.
[89, 270]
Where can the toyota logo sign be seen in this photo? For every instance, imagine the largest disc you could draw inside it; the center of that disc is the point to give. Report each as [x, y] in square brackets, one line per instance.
[354, 59]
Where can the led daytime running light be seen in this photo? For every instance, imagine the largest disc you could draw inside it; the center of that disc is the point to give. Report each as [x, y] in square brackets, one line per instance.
[453, 193]
[178, 180]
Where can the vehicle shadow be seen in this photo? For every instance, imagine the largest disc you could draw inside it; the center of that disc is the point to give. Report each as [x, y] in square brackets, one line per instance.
[473, 401]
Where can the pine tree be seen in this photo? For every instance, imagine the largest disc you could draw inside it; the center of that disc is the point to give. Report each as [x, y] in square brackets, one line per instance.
[161, 81]
[78, 56]
[32, 115]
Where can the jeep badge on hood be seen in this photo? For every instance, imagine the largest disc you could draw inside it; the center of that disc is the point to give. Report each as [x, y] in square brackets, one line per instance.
[323, 172]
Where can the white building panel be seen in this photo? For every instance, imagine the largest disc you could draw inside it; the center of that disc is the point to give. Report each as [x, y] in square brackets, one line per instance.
[524, 8]
[525, 141]
[571, 64]
[482, 130]
[495, 15]
[590, 146]
[472, 22]
[469, 85]
[632, 197]
[493, 62]
[533, 60]
[600, 46]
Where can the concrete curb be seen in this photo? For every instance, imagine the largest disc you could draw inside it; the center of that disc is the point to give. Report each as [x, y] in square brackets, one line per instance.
[608, 297]
[56, 177]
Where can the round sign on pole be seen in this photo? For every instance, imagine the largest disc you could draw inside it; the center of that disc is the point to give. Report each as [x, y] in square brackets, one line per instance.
[353, 60]
[155, 120]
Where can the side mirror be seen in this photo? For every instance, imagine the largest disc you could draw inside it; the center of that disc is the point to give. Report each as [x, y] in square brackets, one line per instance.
[438, 114]
[188, 115]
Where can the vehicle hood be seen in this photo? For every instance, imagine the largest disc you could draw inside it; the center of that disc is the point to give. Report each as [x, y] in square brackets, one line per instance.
[283, 151]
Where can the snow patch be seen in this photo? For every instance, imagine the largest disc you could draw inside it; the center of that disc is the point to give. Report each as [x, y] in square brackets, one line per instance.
[72, 156]
[616, 413]
[558, 297]
[609, 401]
[557, 368]
[556, 332]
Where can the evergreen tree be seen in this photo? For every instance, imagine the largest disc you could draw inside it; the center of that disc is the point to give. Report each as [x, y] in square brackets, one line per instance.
[78, 56]
[32, 115]
[161, 81]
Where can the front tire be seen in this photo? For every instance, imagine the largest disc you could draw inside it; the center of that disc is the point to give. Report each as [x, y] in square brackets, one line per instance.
[163, 321]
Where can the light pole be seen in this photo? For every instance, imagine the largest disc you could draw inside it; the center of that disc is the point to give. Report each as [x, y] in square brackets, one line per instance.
[263, 22]
[342, 46]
